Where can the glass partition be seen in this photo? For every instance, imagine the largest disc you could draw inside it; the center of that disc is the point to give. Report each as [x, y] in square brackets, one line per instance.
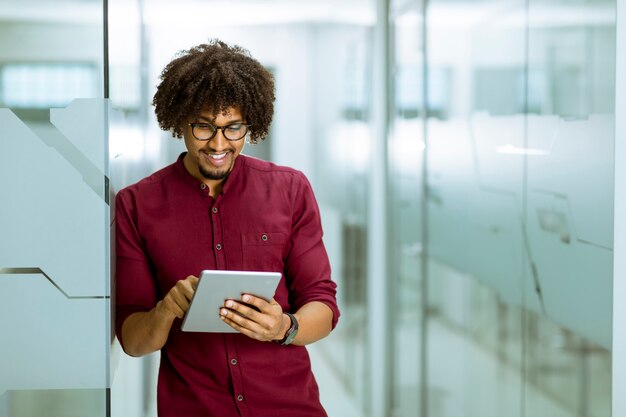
[569, 205]
[55, 216]
[406, 152]
[516, 223]
[343, 163]
[475, 65]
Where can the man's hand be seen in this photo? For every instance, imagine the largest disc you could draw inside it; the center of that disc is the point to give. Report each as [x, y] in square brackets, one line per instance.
[257, 318]
[176, 302]
[147, 331]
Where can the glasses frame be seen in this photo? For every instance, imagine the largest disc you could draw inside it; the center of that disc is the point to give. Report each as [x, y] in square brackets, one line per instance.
[216, 128]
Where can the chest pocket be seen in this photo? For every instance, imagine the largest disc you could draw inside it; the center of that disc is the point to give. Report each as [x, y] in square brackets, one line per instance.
[263, 251]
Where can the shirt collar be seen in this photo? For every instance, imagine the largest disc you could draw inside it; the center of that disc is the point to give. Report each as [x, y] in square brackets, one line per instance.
[184, 174]
[240, 161]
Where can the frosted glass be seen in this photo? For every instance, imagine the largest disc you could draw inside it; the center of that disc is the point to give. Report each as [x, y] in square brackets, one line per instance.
[51, 342]
[586, 183]
[54, 251]
[570, 221]
[84, 124]
[52, 217]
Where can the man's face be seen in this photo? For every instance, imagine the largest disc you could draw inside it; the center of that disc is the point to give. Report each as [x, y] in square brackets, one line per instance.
[212, 159]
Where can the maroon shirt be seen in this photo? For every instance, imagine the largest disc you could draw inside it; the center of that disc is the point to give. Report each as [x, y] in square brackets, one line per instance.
[168, 227]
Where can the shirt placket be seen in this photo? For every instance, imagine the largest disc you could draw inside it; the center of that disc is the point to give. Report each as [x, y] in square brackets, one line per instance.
[231, 350]
[218, 237]
[236, 374]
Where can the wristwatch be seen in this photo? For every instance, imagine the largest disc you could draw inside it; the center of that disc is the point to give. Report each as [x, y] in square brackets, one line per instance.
[291, 332]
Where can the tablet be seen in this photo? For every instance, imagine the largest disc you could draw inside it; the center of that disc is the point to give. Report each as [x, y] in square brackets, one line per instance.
[215, 287]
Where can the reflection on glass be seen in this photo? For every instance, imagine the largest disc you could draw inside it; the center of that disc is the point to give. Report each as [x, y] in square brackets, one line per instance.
[571, 63]
[406, 148]
[520, 207]
[53, 403]
[43, 85]
[343, 164]
[475, 242]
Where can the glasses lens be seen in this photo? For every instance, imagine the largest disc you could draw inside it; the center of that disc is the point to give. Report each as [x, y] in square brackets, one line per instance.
[203, 131]
[235, 131]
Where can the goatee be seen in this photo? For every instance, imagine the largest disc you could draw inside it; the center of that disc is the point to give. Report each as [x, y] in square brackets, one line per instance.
[214, 175]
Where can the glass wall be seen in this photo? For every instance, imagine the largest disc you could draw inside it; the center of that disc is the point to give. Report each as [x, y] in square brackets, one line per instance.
[569, 205]
[515, 226]
[342, 169]
[476, 263]
[54, 217]
[406, 168]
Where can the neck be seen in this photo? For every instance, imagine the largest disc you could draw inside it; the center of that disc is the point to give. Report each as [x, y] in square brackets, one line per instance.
[215, 186]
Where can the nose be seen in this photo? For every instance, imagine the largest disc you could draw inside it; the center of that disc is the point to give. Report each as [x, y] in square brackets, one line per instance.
[219, 141]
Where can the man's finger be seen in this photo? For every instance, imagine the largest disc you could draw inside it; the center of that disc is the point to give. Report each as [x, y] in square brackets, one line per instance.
[241, 329]
[241, 320]
[242, 309]
[246, 327]
[257, 302]
[193, 280]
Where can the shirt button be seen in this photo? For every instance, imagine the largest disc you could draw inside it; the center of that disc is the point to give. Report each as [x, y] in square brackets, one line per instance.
[233, 361]
[264, 238]
[214, 210]
[203, 186]
[240, 397]
[218, 246]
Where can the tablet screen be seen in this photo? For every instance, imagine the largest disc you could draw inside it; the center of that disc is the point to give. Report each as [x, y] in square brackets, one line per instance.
[215, 287]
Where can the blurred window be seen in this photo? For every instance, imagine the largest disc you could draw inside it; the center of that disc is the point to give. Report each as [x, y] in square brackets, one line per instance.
[46, 85]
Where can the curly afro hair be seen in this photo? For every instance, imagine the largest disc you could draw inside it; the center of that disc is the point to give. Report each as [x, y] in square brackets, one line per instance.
[215, 77]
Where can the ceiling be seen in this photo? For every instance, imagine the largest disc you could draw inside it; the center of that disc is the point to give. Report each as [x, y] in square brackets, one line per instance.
[264, 12]
[240, 12]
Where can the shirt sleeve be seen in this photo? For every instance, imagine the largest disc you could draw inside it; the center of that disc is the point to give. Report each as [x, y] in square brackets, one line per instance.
[307, 266]
[135, 288]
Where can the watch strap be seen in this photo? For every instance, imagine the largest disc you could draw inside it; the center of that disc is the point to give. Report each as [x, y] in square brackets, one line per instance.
[291, 332]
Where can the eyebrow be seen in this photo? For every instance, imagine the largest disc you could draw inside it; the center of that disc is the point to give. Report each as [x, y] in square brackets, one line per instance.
[230, 122]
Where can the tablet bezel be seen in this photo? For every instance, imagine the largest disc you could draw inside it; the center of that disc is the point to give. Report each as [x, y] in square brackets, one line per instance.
[215, 287]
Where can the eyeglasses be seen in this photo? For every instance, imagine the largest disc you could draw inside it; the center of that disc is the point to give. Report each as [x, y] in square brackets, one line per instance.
[207, 131]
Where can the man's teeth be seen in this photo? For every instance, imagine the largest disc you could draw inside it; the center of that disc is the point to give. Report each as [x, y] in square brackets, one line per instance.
[217, 155]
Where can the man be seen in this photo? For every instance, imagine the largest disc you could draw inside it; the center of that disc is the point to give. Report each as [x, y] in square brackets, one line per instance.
[215, 208]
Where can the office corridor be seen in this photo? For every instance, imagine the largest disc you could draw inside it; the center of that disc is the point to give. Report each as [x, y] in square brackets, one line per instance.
[466, 157]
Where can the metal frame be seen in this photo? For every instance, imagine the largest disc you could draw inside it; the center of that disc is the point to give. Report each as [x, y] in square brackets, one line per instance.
[379, 284]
